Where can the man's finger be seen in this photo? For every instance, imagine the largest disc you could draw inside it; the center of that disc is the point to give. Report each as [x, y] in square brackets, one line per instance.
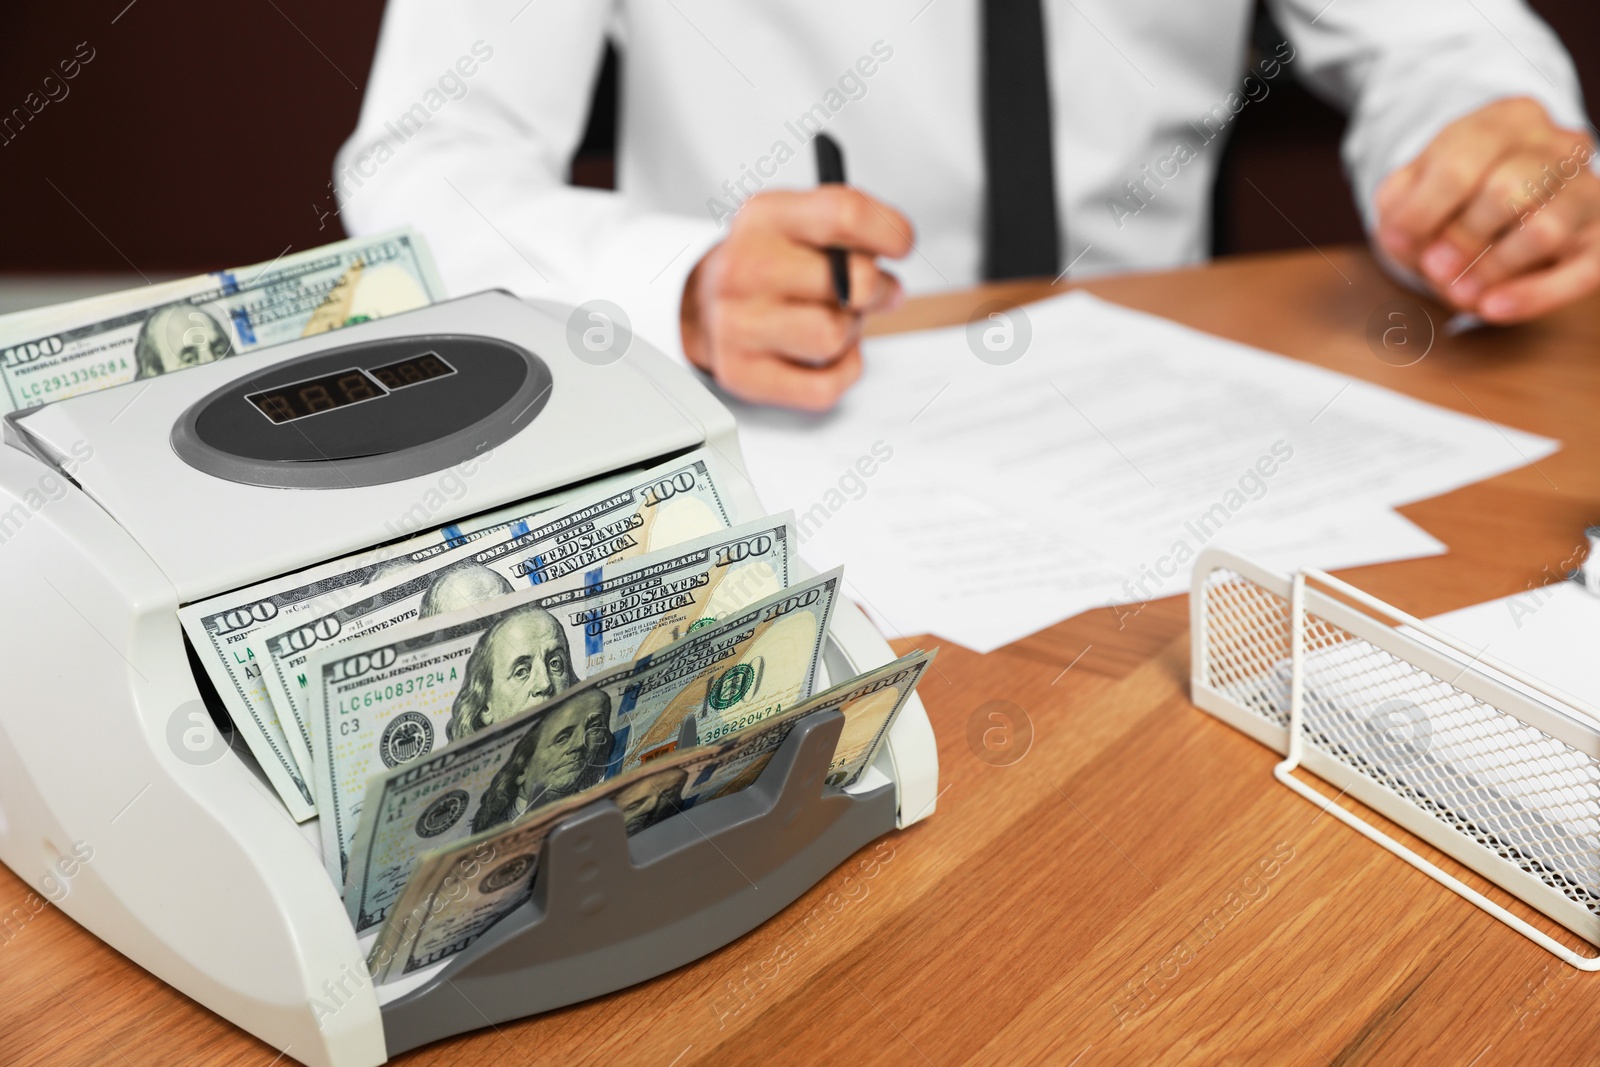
[871, 288]
[1501, 204]
[1395, 187]
[1530, 295]
[1493, 214]
[834, 216]
[767, 378]
[1451, 170]
[782, 269]
[813, 333]
[1542, 241]
[1391, 192]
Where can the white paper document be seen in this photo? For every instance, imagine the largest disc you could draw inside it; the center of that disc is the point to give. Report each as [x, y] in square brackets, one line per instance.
[1549, 633]
[982, 501]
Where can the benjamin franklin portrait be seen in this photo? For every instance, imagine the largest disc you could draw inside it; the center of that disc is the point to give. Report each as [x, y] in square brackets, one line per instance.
[651, 799]
[462, 584]
[176, 337]
[564, 752]
[521, 661]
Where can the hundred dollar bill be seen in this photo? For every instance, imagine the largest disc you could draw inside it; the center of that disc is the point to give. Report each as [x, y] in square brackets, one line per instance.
[752, 665]
[664, 506]
[465, 669]
[460, 891]
[51, 354]
[221, 627]
[396, 695]
[748, 666]
[643, 604]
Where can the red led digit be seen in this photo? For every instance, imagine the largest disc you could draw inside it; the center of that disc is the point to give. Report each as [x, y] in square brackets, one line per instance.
[356, 387]
[275, 406]
[317, 398]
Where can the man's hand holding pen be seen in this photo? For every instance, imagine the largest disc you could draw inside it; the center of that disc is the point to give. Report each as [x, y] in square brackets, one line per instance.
[760, 312]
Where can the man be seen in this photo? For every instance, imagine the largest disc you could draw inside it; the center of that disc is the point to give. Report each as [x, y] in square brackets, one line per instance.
[460, 585]
[651, 799]
[1021, 137]
[564, 753]
[522, 660]
[176, 337]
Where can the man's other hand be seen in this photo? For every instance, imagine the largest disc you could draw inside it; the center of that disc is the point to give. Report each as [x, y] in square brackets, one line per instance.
[759, 311]
[1500, 213]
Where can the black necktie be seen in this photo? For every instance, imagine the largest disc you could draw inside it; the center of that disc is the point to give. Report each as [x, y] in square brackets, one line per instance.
[1021, 239]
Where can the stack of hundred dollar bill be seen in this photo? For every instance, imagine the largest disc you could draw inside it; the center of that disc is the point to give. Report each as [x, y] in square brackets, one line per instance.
[442, 702]
[55, 353]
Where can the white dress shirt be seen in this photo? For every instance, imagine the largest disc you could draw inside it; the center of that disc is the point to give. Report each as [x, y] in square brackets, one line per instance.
[475, 107]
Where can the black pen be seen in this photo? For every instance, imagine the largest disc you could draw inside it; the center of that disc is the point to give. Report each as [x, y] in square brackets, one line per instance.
[830, 171]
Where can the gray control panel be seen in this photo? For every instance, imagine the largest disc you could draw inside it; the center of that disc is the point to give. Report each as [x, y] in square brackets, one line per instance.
[365, 414]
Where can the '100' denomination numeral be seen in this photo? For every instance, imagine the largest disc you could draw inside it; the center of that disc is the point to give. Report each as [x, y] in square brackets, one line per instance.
[740, 551]
[667, 488]
[364, 663]
[243, 618]
[298, 640]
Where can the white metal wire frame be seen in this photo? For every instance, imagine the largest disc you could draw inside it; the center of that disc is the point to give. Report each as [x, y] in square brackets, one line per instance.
[1485, 763]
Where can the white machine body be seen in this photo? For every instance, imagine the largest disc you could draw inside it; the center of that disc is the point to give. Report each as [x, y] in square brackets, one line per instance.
[196, 872]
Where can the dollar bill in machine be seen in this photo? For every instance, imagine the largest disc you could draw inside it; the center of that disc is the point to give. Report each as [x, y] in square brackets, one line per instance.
[458, 892]
[50, 354]
[748, 666]
[655, 509]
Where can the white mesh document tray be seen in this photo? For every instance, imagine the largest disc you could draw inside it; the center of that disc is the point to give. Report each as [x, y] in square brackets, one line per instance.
[1496, 769]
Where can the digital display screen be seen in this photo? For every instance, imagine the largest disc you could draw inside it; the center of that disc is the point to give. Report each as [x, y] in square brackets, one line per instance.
[411, 371]
[297, 400]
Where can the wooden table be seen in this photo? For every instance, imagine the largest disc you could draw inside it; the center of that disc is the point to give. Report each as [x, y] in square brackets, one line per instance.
[1015, 924]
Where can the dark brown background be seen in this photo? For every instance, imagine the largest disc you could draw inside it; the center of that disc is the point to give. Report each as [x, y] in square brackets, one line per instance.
[202, 135]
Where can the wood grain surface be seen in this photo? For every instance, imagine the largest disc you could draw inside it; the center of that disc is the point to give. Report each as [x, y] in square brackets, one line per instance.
[1135, 888]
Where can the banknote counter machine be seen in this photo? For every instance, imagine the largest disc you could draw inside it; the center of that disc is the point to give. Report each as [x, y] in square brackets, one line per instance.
[122, 505]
